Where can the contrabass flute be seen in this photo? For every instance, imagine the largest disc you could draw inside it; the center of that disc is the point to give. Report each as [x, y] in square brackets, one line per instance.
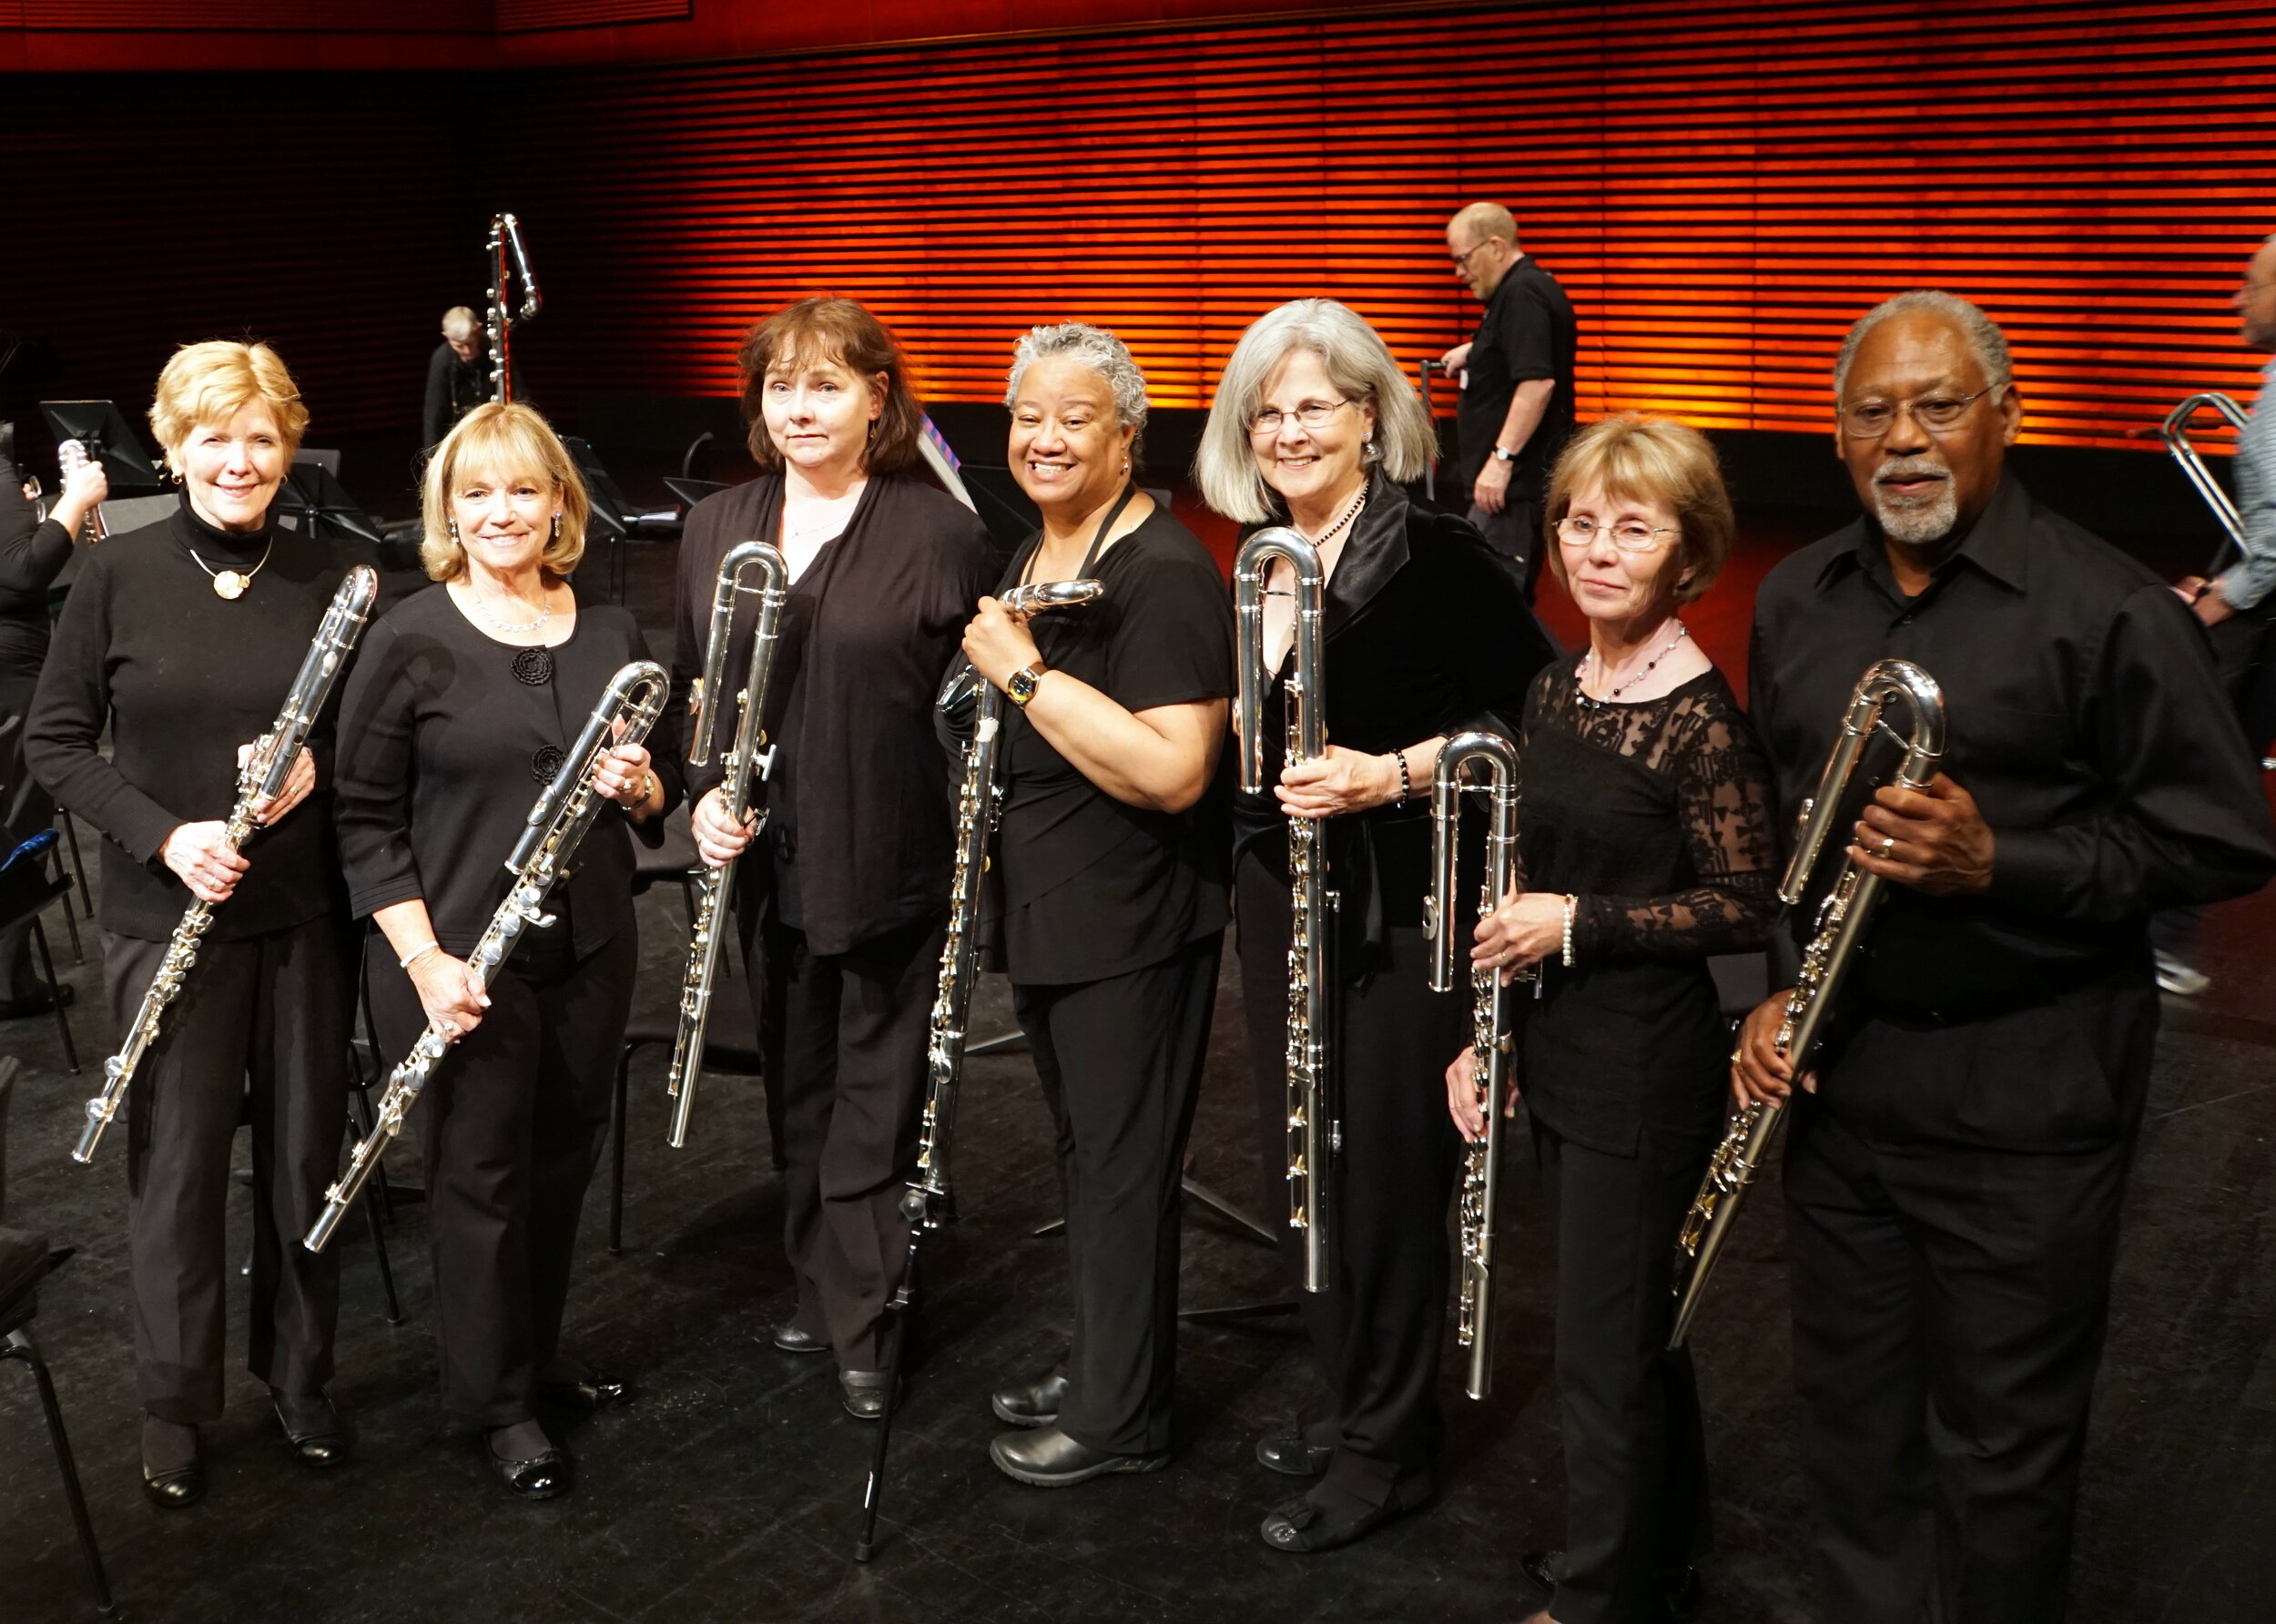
[1490, 1015]
[556, 824]
[714, 885]
[1837, 930]
[260, 780]
[508, 263]
[926, 1202]
[1311, 1134]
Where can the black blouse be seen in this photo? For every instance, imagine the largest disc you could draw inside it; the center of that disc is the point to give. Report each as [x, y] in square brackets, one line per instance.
[183, 678]
[1655, 817]
[447, 737]
[33, 552]
[1426, 634]
[1089, 885]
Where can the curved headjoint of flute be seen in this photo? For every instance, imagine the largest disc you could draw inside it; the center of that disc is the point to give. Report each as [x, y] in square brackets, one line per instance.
[1885, 683]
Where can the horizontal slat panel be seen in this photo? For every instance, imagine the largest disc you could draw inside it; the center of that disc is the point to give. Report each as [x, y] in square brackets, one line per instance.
[256, 16]
[524, 16]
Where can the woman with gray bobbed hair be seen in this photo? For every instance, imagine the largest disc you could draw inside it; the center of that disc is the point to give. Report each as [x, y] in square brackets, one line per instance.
[1426, 636]
[1110, 899]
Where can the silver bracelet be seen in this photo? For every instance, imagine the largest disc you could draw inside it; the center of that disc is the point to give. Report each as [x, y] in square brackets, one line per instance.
[417, 953]
[1571, 903]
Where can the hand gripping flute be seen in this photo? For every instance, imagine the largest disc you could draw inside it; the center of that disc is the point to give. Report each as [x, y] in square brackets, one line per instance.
[261, 778]
[1840, 925]
[926, 1203]
[1311, 1134]
[1489, 1016]
[565, 810]
[714, 885]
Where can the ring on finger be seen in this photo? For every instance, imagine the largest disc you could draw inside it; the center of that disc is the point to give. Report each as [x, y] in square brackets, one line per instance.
[1888, 844]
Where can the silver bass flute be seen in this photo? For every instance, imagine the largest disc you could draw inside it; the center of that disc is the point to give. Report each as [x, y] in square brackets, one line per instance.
[260, 780]
[1311, 1135]
[565, 810]
[1840, 925]
[1490, 1015]
[714, 886]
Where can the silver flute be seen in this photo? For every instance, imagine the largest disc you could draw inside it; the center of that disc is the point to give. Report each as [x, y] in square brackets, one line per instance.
[1490, 1014]
[1839, 928]
[565, 810]
[1311, 1135]
[261, 778]
[714, 886]
[508, 263]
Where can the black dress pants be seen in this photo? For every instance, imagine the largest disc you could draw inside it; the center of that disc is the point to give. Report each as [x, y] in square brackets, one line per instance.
[1120, 1062]
[1635, 1449]
[513, 1121]
[1515, 536]
[267, 1011]
[844, 1038]
[1949, 1300]
[1376, 1331]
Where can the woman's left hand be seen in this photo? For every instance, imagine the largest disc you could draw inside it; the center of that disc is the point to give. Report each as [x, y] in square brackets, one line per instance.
[297, 783]
[1338, 782]
[997, 643]
[621, 772]
[1525, 928]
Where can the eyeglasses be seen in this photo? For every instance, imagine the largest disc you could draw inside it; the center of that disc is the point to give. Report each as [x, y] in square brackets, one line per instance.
[1630, 535]
[1462, 260]
[1870, 420]
[1312, 414]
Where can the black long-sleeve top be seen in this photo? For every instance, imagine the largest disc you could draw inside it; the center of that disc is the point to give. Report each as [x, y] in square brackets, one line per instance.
[2083, 714]
[183, 678]
[860, 817]
[33, 552]
[454, 388]
[1425, 634]
[447, 737]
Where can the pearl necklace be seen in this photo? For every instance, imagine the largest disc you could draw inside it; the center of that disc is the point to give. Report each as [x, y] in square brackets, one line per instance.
[1681, 632]
[509, 626]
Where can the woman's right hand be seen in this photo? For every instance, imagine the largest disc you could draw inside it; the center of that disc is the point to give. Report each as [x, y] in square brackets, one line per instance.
[1462, 1101]
[202, 859]
[450, 992]
[718, 838]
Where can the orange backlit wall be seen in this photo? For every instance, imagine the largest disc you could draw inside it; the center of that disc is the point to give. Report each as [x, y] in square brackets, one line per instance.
[1721, 187]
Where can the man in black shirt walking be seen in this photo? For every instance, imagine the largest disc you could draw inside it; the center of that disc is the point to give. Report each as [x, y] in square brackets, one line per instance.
[1954, 1177]
[1516, 408]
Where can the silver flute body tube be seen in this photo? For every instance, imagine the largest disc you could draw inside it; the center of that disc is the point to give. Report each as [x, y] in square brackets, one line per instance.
[1310, 1130]
[555, 826]
[2175, 433]
[261, 778]
[715, 886]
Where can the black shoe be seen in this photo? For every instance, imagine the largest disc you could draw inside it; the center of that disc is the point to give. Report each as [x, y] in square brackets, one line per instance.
[589, 1392]
[1545, 1568]
[37, 1003]
[863, 1392]
[545, 1476]
[1048, 1458]
[171, 1487]
[1295, 1453]
[791, 1339]
[1035, 1404]
[312, 1427]
[1303, 1526]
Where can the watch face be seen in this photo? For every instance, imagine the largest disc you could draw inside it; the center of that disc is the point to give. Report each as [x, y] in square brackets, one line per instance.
[1022, 686]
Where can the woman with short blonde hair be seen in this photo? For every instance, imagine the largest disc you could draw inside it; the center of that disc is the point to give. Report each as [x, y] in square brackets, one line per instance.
[183, 638]
[1630, 456]
[509, 437]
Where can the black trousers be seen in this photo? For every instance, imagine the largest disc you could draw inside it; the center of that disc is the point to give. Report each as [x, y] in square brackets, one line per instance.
[258, 1034]
[1375, 1332]
[1949, 1299]
[1120, 1062]
[1515, 536]
[26, 808]
[512, 1125]
[844, 1038]
[1635, 1449]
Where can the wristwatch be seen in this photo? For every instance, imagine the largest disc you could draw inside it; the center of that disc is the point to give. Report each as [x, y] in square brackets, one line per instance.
[1021, 684]
[1504, 454]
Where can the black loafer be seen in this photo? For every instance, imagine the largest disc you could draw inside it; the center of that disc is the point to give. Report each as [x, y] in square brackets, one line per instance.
[1295, 1453]
[1303, 1526]
[312, 1429]
[1034, 1404]
[544, 1476]
[1543, 1569]
[591, 1391]
[863, 1392]
[171, 1491]
[1048, 1458]
[791, 1339]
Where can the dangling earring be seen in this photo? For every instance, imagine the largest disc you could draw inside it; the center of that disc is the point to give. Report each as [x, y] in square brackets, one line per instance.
[451, 526]
[873, 432]
[556, 527]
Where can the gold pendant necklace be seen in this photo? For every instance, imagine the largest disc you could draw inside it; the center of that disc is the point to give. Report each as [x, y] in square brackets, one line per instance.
[231, 584]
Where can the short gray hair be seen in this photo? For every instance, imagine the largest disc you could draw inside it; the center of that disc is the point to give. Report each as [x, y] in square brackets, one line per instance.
[1096, 348]
[1358, 362]
[1982, 333]
[460, 324]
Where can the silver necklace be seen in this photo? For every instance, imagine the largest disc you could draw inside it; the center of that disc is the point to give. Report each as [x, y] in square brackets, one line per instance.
[1681, 632]
[495, 625]
[232, 583]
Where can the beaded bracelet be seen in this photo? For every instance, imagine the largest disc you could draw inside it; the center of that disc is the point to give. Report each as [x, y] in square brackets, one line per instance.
[1405, 784]
[1571, 903]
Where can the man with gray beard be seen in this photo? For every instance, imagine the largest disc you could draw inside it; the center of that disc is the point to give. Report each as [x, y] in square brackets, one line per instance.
[1954, 1165]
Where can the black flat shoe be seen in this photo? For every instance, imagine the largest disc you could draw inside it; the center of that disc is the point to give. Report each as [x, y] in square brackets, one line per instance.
[1303, 1526]
[1048, 1458]
[1033, 1404]
[1543, 1569]
[312, 1429]
[181, 1481]
[1299, 1454]
[591, 1391]
[863, 1392]
[171, 1491]
[790, 1339]
[544, 1476]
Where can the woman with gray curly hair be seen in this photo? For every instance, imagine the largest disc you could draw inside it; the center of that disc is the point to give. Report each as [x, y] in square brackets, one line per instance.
[1110, 905]
[1426, 636]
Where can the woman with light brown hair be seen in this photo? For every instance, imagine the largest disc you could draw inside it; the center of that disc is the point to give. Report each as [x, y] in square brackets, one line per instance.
[183, 639]
[462, 707]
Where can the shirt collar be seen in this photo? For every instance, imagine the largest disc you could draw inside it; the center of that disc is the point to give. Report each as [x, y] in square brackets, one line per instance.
[1998, 544]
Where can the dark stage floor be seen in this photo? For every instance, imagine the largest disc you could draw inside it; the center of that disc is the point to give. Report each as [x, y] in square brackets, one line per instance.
[730, 1490]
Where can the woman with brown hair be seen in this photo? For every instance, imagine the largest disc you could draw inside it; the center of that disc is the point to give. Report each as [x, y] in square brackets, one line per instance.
[843, 905]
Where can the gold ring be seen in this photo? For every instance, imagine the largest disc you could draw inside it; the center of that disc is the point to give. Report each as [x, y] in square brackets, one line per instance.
[1889, 845]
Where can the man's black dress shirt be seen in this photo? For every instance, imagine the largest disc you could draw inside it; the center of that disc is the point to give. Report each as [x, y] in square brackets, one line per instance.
[2083, 714]
[1525, 331]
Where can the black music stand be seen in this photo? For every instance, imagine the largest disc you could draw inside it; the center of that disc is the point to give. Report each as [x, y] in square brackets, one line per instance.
[324, 507]
[100, 427]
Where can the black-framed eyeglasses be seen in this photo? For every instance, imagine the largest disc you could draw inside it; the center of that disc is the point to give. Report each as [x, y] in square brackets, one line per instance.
[1462, 260]
[1870, 420]
[1312, 414]
[1630, 535]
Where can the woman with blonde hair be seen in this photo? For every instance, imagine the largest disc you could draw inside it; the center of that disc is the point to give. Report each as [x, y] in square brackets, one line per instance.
[184, 638]
[1426, 635]
[461, 709]
[1645, 846]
